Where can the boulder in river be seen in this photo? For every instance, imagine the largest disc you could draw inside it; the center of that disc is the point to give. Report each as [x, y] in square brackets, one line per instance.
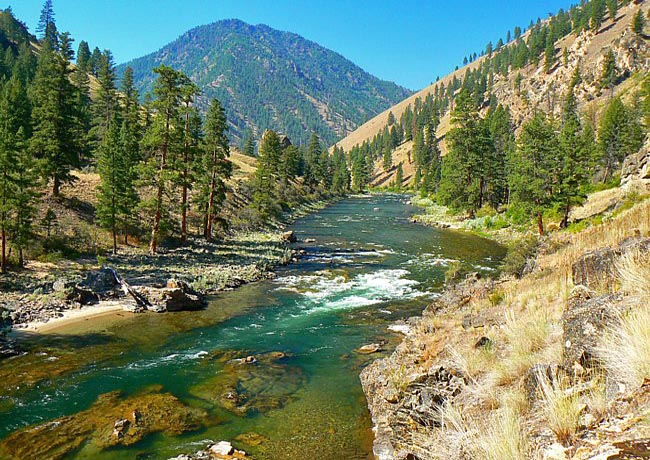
[289, 237]
[369, 349]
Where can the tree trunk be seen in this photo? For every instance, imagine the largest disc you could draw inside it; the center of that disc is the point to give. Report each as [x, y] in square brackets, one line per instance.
[540, 223]
[21, 258]
[3, 263]
[126, 233]
[56, 187]
[209, 216]
[155, 229]
[565, 219]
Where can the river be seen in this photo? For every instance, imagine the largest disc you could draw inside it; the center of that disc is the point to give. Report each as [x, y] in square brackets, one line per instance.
[367, 268]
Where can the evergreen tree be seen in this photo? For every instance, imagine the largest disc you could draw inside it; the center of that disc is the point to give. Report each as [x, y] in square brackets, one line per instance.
[532, 179]
[106, 103]
[216, 164]
[619, 135]
[609, 72]
[112, 169]
[46, 27]
[638, 23]
[162, 143]
[191, 141]
[574, 157]
[399, 176]
[612, 9]
[266, 176]
[84, 57]
[249, 146]
[549, 55]
[130, 138]
[341, 174]
[17, 171]
[53, 99]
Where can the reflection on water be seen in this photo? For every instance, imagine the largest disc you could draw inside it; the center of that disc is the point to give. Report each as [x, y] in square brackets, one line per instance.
[296, 396]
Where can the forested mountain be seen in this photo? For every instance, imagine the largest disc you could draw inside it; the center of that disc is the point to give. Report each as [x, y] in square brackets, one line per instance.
[271, 79]
[589, 55]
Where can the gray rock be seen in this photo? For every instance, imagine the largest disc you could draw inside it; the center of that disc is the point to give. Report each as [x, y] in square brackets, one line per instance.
[552, 372]
[99, 281]
[597, 269]
[583, 322]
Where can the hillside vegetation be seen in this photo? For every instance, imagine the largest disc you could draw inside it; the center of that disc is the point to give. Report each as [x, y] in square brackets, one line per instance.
[531, 72]
[268, 79]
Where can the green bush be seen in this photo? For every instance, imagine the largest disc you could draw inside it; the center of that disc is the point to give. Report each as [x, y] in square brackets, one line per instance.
[520, 252]
[453, 271]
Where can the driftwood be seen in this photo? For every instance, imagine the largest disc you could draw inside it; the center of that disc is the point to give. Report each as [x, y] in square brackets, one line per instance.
[140, 300]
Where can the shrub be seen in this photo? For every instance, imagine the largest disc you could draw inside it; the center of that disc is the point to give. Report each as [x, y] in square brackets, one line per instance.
[561, 409]
[520, 252]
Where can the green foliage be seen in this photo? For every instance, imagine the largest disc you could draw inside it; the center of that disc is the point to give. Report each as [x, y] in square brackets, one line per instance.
[638, 23]
[519, 254]
[269, 79]
[453, 272]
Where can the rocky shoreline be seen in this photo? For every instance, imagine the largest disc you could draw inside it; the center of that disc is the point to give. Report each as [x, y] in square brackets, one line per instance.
[408, 391]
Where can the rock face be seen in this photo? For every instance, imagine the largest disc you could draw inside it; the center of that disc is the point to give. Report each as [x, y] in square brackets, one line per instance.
[596, 270]
[583, 322]
[636, 170]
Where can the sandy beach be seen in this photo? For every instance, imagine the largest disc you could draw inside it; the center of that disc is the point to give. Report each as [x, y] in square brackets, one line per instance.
[72, 317]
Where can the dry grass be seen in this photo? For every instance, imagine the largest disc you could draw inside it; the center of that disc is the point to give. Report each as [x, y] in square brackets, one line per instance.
[626, 348]
[634, 272]
[498, 436]
[560, 408]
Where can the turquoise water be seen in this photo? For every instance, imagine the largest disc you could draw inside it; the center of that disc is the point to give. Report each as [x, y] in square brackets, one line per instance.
[367, 268]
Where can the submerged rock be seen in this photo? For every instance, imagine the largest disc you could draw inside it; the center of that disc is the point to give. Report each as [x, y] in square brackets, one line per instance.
[107, 423]
[369, 349]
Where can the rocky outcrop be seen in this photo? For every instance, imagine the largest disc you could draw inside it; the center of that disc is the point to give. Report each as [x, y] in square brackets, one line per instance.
[635, 174]
[175, 296]
[583, 322]
[596, 270]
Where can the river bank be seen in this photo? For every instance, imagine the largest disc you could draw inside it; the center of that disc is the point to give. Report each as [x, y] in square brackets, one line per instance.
[272, 367]
[44, 292]
[518, 368]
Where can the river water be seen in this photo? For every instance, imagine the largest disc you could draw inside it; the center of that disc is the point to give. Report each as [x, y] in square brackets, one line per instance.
[367, 268]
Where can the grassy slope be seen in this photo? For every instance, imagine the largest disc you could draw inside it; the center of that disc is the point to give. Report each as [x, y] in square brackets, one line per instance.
[491, 418]
[587, 48]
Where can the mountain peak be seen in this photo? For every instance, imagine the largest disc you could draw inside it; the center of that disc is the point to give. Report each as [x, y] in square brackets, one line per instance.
[267, 78]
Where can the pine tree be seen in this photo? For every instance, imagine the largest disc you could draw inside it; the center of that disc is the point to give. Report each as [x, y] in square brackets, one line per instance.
[619, 135]
[249, 146]
[216, 166]
[266, 175]
[162, 142]
[609, 72]
[112, 169]
[399, 176]
[532, 179]
[549, 55]
[84, 57]
[191, 141]
[106, 103]
[612, 9]
[638, 23]
[130, 137]
[53, 98]
[574, 157]
[46, 27]
[18, 179]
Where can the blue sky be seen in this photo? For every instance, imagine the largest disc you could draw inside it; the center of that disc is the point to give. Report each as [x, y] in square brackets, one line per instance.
[409, 42]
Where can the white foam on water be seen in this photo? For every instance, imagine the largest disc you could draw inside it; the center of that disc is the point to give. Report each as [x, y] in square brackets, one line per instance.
[323, 292]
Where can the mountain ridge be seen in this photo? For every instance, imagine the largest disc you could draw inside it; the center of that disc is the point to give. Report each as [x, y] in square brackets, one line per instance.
[274, 79]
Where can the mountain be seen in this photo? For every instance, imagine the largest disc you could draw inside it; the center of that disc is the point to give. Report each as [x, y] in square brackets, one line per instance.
[529, 87]
[266, 78]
